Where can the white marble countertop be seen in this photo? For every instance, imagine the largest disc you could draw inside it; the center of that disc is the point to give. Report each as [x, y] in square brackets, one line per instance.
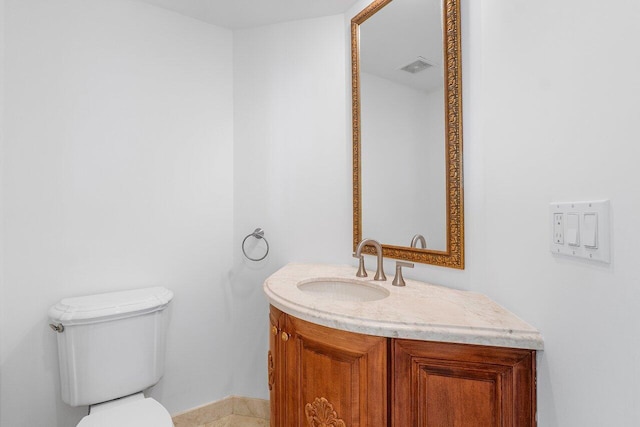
[417, 311]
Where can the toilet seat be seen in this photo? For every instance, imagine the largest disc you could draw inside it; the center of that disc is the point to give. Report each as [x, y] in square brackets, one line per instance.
[131, 411]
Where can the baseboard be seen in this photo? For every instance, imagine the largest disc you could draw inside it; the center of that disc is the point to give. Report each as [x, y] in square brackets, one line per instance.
[233, 405]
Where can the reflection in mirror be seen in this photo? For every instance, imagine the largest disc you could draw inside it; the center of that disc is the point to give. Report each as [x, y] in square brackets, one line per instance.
[407, 130]
[402, 111]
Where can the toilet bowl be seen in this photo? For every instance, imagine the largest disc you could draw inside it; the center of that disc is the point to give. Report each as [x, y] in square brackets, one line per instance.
[131, 411]
[111, 347]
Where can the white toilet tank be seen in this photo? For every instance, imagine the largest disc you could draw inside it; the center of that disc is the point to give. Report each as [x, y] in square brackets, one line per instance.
[112, 345]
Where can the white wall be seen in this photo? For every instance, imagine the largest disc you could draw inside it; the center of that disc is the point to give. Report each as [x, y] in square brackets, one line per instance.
[558, 99]
[117, 174]
[291, 167]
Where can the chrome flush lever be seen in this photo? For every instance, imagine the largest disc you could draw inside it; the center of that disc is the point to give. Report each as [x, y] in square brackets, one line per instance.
[399, 280]
[59, 328]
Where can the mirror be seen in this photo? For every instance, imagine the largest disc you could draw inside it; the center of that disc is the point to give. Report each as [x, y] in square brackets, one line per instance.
[407, 130]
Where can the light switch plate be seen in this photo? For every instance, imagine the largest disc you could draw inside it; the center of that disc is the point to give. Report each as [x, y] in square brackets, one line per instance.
[573, 229]
[584, 227]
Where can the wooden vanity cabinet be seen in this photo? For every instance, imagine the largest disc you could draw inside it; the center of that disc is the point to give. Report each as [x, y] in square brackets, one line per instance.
[329, 377]
[276, 367]
[456, 385]
[320, 376]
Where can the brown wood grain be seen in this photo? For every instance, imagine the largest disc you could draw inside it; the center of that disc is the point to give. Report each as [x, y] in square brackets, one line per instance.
[457, 385]
[326, 377]
[348, 370]
[276, 349]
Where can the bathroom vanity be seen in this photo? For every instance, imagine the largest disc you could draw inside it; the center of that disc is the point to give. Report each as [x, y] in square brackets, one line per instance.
[347, 351]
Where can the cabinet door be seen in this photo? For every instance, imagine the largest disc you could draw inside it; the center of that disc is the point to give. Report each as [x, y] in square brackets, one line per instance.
[275, 367]
[334, 378]
[455, 385]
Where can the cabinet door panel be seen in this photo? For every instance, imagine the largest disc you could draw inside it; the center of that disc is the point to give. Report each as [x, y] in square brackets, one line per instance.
[443, 390]
[335, 378]
[454, 385]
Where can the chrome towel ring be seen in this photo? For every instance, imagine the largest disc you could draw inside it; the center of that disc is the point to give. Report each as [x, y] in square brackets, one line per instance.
[258, 233]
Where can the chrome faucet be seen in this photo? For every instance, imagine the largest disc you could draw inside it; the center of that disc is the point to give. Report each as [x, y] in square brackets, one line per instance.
[399, 279]
[418, 238]
[358, 254]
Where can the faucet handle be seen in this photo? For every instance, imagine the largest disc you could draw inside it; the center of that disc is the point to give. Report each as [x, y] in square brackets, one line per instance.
[362, 272]
[399, 280]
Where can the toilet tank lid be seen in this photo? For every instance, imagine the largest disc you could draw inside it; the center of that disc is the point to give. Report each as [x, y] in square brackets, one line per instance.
[110, 306]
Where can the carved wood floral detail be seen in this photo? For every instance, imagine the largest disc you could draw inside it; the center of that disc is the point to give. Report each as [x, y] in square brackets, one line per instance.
[271, 370]
[320, 413]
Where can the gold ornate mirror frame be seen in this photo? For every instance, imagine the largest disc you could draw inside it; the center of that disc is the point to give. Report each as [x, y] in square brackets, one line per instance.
[454, 255]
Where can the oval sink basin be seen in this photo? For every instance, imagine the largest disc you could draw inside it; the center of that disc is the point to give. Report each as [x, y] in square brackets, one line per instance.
[344, 290]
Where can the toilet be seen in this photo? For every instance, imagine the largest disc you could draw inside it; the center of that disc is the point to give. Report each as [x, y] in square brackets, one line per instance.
[111, 348]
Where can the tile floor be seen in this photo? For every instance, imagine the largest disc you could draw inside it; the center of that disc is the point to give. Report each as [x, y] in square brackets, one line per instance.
[233, 411]
[238, 421]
